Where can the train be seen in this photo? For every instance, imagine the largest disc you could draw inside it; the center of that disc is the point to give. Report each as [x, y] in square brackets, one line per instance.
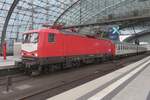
[46, 50]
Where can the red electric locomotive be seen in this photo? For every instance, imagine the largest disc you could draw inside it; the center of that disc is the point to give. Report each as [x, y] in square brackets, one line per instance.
[45, 48]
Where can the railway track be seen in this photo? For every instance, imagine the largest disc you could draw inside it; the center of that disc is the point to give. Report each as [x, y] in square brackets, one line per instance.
[64, 83]
[23, 77]
[68, 84]
[18, 77]
[14, 78]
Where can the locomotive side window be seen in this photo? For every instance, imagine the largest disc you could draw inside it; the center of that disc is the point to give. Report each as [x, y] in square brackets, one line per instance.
[51, 37]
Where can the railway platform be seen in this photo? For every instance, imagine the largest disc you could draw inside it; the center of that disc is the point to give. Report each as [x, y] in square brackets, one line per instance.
[128, 83]
[8, 64]
[10, 61]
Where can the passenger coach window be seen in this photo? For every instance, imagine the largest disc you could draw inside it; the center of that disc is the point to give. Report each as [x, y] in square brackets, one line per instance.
[51, 37]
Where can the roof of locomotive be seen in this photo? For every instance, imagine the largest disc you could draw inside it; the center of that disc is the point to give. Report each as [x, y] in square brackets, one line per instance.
[66, 32]
[42, 30]
[82, 35]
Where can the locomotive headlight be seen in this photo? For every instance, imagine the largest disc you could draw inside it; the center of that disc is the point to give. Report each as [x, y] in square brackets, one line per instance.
[36, 54]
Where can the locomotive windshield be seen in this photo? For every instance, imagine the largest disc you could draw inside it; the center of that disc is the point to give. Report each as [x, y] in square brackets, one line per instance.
[30, 38]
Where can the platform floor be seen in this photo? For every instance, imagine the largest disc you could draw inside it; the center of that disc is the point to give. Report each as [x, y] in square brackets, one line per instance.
[138, 89]
[129, 83]
[9, 62]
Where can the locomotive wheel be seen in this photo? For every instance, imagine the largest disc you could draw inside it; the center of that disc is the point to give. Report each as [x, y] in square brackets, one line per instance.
[74, 64]
[51, 69]
[78, 63]
[97, 60]
[67, 64]
[61, 66]
[28, 71]
[54, 67]
[45, 69]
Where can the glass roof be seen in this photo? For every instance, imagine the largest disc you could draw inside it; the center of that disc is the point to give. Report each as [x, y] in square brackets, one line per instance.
[33, 14]
[30, 14]
[92, 11]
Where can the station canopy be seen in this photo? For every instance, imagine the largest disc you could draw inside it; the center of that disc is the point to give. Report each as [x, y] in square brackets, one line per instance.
[17, 16]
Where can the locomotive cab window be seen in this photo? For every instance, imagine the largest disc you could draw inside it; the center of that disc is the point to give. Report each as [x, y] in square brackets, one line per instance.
[30, 38]
[51, 37]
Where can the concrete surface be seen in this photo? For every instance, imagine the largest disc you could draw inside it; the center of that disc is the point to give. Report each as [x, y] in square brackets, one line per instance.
[138, 89]
[104, 88]
[10, 61]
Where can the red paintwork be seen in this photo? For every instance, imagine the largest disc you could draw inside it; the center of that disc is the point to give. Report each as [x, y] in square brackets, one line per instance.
[70, 45]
